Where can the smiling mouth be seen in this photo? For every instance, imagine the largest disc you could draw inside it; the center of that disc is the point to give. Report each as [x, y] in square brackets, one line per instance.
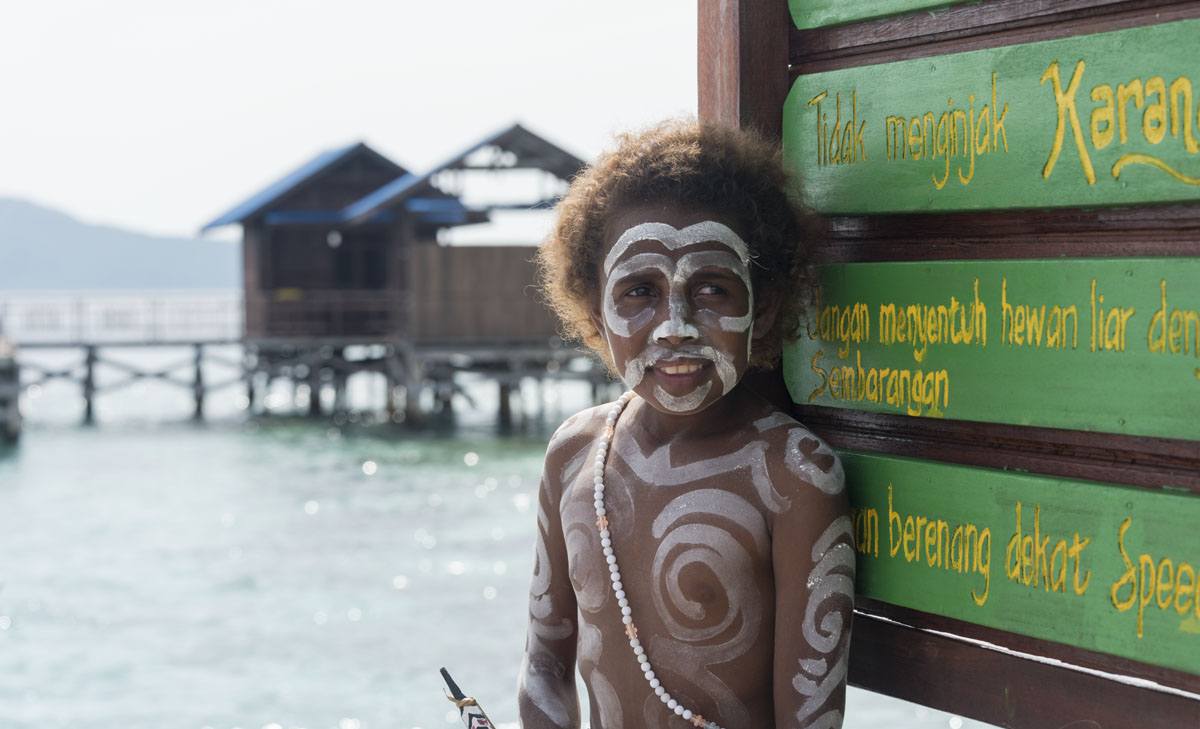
[680, 369]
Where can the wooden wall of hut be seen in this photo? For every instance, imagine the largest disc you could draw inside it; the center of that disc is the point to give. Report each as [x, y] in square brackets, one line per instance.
[480, 294]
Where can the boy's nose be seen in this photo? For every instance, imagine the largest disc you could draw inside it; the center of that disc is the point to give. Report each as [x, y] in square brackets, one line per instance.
[677, 327]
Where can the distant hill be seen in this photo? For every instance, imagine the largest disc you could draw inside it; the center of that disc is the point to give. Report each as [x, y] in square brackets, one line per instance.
[41, 248]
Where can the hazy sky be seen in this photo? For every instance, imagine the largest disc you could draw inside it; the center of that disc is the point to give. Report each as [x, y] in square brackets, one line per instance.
[160, 114]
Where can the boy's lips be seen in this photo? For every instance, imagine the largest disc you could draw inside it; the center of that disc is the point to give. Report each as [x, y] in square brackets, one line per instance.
[681, 375]
[680, 367]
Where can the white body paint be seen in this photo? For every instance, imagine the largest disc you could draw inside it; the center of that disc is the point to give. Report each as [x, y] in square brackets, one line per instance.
[831, 586]
[679, 322]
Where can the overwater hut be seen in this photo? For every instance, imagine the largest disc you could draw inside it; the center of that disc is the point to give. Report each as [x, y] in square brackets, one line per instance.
[344, 250]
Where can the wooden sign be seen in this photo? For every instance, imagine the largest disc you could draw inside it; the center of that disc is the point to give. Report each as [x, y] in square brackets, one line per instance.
[1101, 119]
[1107, 345]
[1100, 567]
[819, 13]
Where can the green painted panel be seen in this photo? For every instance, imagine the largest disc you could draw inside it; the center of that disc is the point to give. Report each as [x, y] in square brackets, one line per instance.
[819, 13]
[1100, 119]
[1106, 568]
[1107, 345]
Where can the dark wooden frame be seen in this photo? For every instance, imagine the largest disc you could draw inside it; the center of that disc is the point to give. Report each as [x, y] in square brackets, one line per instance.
[748, 54]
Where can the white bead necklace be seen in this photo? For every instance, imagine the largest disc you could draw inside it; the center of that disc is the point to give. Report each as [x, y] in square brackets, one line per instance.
[610, 556]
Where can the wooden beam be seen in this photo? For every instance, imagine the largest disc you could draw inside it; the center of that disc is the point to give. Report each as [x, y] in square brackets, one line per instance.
[1009, 688]
[741, 82]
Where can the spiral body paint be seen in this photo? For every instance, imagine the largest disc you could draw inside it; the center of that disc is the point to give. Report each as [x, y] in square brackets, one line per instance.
[698, 527]
[681, 321]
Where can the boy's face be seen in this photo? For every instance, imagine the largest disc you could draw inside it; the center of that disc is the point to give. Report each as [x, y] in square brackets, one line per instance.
[676, 305]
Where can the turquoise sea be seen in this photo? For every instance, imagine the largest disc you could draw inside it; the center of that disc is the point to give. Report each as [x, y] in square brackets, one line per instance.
[272, 573]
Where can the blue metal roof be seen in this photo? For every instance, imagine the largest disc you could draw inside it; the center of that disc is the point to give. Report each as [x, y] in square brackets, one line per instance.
[395, 190]
[438, 208]
[403, 187]
[280, 187]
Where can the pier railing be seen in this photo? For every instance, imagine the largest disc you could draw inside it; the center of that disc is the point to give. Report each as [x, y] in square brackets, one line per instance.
[121, 316]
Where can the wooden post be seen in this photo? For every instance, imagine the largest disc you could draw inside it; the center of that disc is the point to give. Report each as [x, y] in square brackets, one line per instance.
[250, 370]
[314, 389]
[198, 383]
[504, 411]
[414, 377]
[391, 377]
[742, 71]
[742, 77]
[89, 385]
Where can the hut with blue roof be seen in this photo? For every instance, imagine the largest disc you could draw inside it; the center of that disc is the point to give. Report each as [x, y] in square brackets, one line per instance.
[343, 252]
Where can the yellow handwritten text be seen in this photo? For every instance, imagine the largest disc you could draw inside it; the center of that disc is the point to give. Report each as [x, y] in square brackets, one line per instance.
[924, 324]
[965, 548]
[1161, 582]
[956, 132]
[845, 325]
[844, 144]
[1028, 560]
[916, 392]
[1025, 325]
[1174, 331]
[1110, 326]
[1163, 109]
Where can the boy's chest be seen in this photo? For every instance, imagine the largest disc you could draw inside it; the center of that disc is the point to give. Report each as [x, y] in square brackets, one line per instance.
[691, 538]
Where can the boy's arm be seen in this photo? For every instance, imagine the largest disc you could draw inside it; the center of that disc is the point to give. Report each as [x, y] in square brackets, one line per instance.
[546, 693]
[813, 561]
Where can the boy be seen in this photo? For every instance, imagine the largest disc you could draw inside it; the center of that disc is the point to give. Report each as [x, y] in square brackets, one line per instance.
[695, 549]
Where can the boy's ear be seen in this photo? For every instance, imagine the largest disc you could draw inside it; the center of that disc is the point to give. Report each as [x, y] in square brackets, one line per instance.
[597, 319]
[765, 312]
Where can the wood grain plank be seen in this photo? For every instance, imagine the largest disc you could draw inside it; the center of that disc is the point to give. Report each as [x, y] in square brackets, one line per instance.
[742, 63]
[971, 27]
[956, 675]
[1122, 459]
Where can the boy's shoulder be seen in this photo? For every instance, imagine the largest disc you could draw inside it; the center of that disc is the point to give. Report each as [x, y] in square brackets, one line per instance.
[572, 440]
[581, 428]
[797, 456]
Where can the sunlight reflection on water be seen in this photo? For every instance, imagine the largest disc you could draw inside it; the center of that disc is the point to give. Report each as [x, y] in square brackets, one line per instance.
[272, 575]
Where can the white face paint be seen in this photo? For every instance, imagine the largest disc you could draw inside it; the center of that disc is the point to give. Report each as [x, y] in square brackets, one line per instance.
[682, 322]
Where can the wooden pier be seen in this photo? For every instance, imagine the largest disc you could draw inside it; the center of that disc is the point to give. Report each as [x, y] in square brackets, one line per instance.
[344, 273]
[10, 393]
[418, 382]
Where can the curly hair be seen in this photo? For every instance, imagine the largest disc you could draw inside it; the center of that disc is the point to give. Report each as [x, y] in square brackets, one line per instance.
[731, 172]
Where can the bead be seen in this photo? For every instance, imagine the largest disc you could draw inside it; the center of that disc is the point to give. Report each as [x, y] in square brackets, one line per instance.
[610, 557]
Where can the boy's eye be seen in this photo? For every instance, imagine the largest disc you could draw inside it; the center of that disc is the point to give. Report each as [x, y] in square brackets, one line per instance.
[709, 289]
[639, 291]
